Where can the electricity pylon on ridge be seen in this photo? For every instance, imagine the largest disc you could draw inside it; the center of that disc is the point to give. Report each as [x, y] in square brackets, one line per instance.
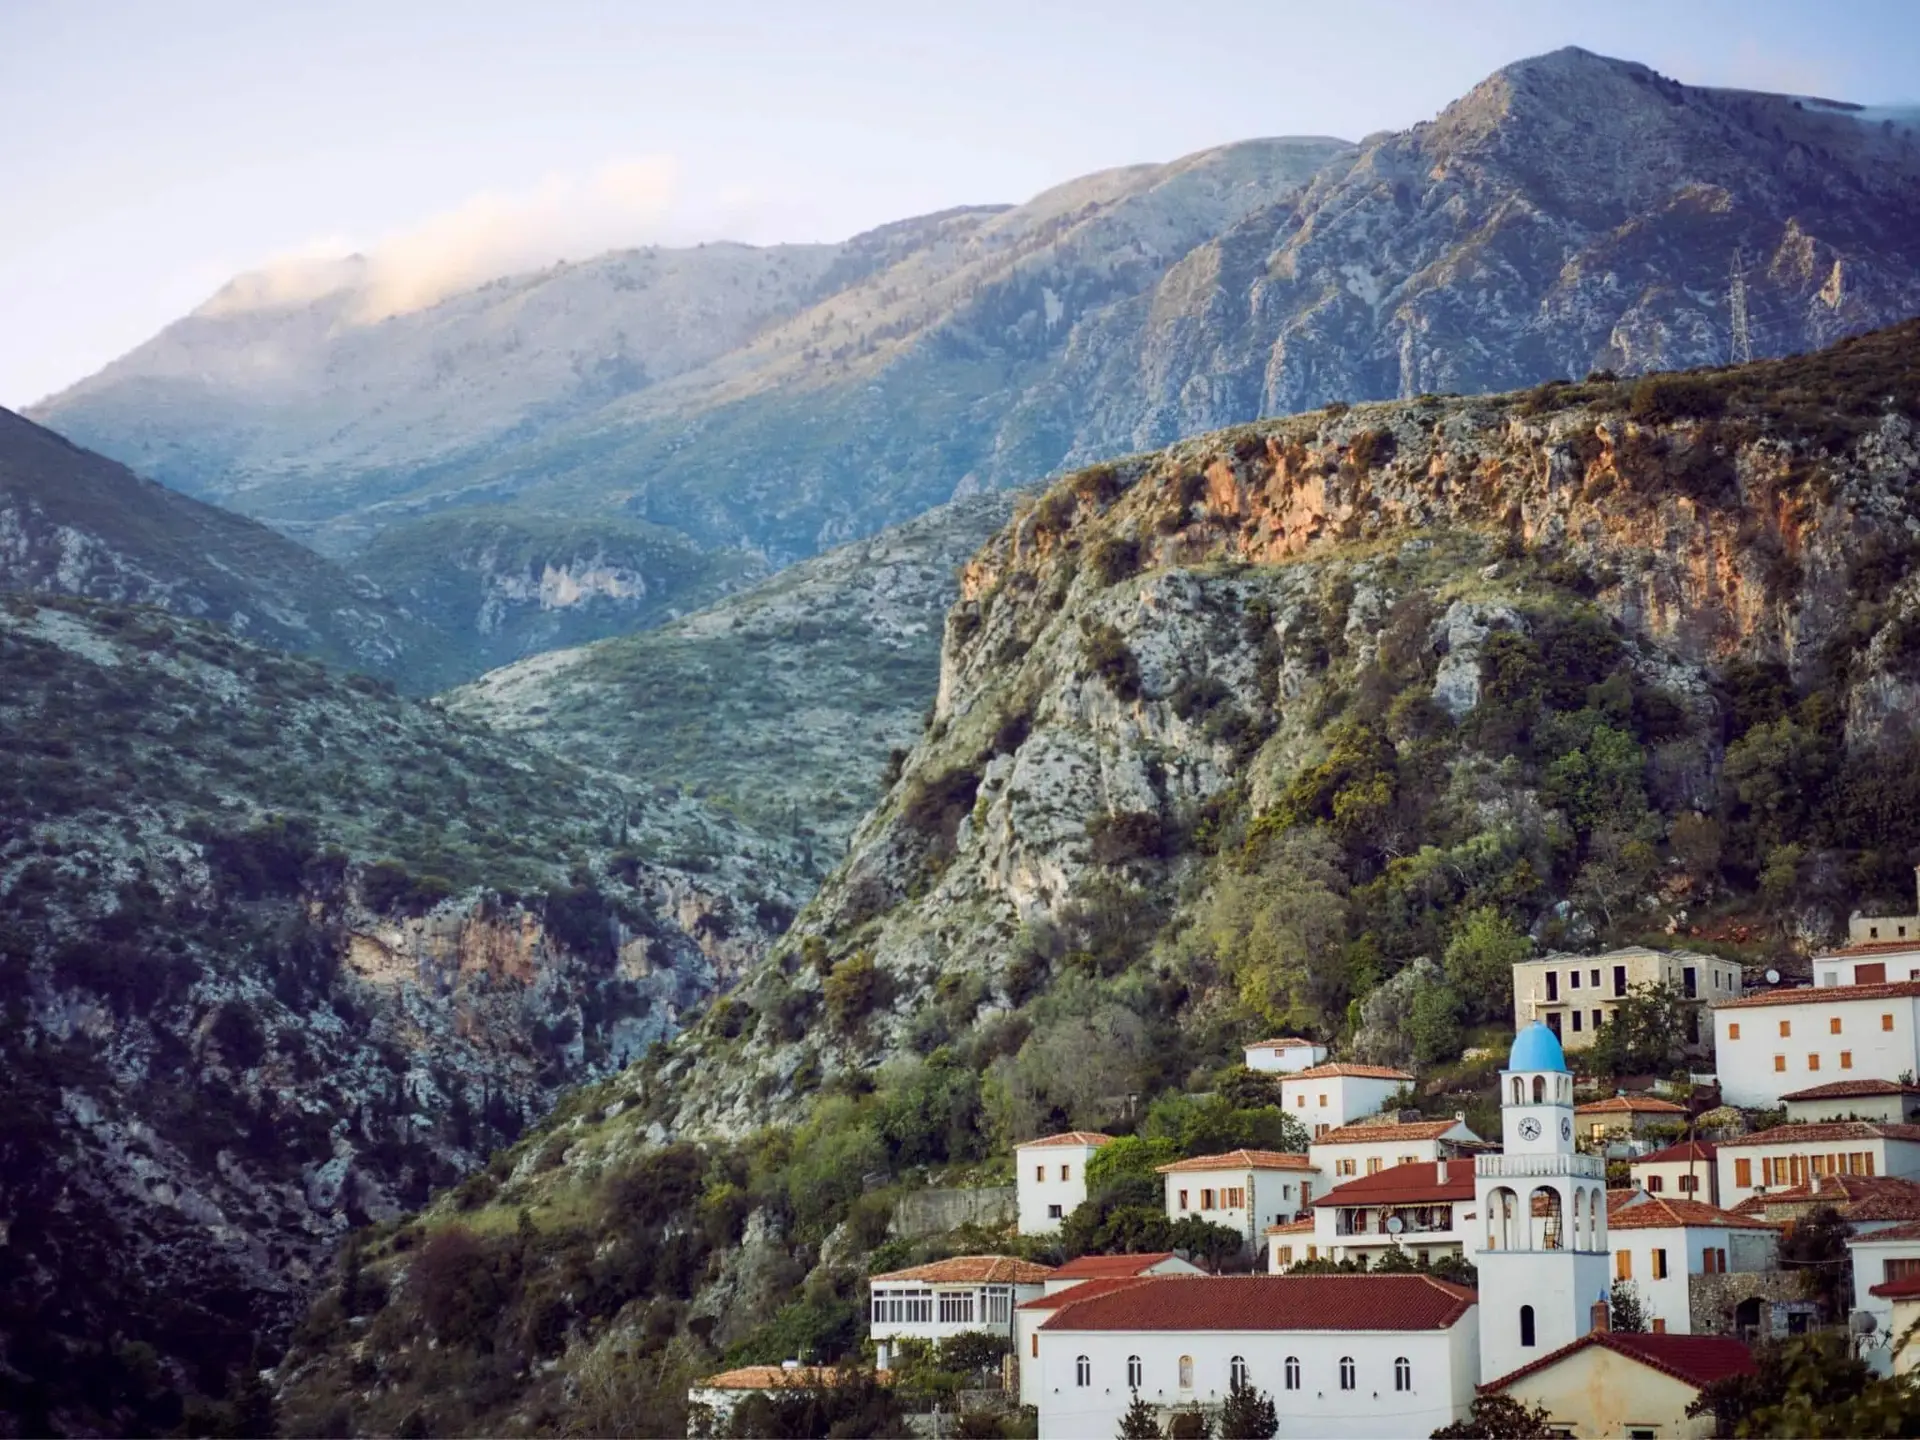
[1742, 349]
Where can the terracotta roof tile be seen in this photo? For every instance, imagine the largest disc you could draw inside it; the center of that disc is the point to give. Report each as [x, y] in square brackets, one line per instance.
[1907, 1287]
[1836, 994]
[973, 1270]
[1340, 1067]
[1630, 1105]
[1097, 1267]
[1292, 1227]
[1415, 1184]
[1656, 1213]
[1284, 1042]
[1272, 1302]
[1239, 1160]
[776, 1377]
[1620, 1199]
[1672, 1154]
[1849, 1089]
[1364, 1132]
[1696, 1360]
[1907, 1230]
[1822, 1131]
[1068, 1137]
[1087, 1289]
[1857, 1197]
[1874, 947]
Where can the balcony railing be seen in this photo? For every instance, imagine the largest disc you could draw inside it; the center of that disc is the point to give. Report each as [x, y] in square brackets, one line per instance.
[1530, 1167]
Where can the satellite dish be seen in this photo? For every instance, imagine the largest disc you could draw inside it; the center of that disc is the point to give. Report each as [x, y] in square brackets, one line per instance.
[1395, 1225]
[1773, 977]
[1862, 1322]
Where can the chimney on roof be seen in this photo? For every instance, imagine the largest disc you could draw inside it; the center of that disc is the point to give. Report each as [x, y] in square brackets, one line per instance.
[1599, 1317]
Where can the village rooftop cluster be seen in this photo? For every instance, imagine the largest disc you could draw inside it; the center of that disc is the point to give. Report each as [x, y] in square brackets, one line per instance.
[1572, 1214]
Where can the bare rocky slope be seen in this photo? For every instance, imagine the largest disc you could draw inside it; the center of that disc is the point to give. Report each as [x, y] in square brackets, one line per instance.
[1571, 213]
[279, 953]
[1315, 723]
[781, 703]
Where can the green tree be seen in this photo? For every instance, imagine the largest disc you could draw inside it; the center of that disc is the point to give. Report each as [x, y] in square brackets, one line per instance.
[1500, 1417]
[1625, 1311]
[1817, 1248]
[1129, 1155]
[1207, 1244]
[1434, 1024]
[1480, 957]
[1809, 1385]
[1645, 1034]
[1139, 1422]
[1248, 1414]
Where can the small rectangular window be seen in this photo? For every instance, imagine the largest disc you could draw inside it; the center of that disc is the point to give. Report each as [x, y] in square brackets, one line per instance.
[1596, 1019]
[1886, 1022]
[1659, 1326]
[1596, 979]
[1655, 1184]
[1286, 1255]
[1659, 1264]
[1066, 1172]
[1833, 1026]
[1573, 980]
[1039, 1172]
[1743, 1174]
[1373, 1165]
[1183, 1199]
[1813, 1062]
[1576, 1022]
[1786, 1028]
[1323, 1100]
[1846, 1059]
[1780, 1062]
[1623, 1264]
[1733, 1030]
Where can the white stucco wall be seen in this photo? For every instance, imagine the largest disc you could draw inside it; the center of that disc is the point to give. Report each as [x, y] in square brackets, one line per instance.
[1672, 1174]
[1329, 1100]
[1388, 1153]
[1272, 1196]
[1746, 1062]
[1039, 1184]
[1444, 1370]
[1899, 1158]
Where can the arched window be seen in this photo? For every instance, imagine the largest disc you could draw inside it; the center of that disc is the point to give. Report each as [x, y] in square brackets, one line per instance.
[1539, 1089]
[1526, 1325]
[1519, 1090]
[1502, 1209]
[1083, 1372]
[1547, 1228]
[1186, 1372]
[1346, 1372]
[1133, 1372]
[1237, 1371]
[1293, 1372]
[1403, 1374]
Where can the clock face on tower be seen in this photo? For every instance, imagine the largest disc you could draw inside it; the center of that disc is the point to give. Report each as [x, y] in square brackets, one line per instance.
[1529, 1129]
[1566, 1128]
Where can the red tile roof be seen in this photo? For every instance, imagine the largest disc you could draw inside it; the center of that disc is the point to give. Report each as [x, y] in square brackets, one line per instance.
[1087, 1289]
[1822, 1131]
[1629, 1105]
[1857, 1197]
[1905, 1288]
[1656, 1213]
[1284, 1042]
[1340, 1067]
[1105, 1267]
[1677, 1154]
[1696, 1360]
[1874, 947]
[1907, 1230]
[1620, 1199]
[1809, 994]
[1068, 1137]
[776, 1377]
[1367, 1131]
[1848, 1089]
[974, 1270]
[1272, 1302]
[1239, 1160]
[1415, 1184]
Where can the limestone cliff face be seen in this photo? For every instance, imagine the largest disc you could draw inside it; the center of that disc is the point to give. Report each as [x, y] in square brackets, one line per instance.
[1152, 634]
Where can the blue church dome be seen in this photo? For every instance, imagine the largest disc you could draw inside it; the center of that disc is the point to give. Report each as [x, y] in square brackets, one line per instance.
[1536, 1048]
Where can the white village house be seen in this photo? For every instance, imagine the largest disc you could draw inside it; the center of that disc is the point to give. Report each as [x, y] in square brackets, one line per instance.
[1079, 1279]
[1341, 1355]
[1789, 1155]
[1658, 1244]
[1893, 1102]
[1685, 1171]
[1769, 1046]
[948, 1298]
[1050, 1178]
[1324, 1097]
[1244, 1190]
[1284, 1055]
[1425, 1209]
[1367, 1147]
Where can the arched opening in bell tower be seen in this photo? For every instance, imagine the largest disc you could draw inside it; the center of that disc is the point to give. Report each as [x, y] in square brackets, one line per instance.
[1544, 1205]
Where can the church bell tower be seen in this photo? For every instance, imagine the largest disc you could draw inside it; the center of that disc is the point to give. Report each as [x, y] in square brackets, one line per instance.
[1542, 1215]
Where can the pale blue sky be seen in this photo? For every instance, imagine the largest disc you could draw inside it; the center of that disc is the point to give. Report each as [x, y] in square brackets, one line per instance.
[148, 150]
